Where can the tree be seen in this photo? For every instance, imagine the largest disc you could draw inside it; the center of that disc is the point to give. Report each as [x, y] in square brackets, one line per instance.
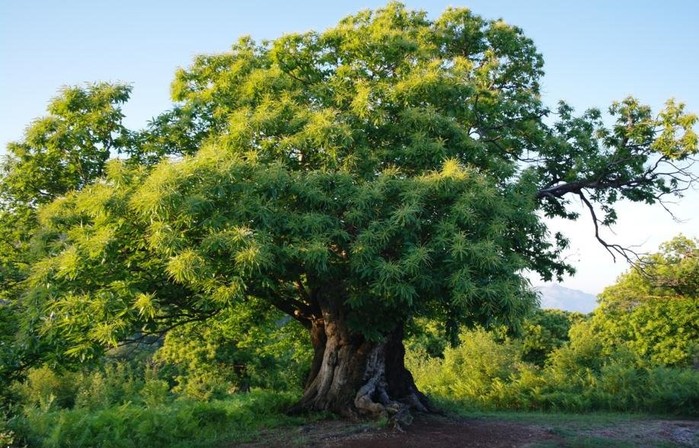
[653, 309]
[545, 331]
[388, 169]
[67, 149]
[61, 152]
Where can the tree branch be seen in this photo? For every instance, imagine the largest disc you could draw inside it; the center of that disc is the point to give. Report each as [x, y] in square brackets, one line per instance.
[629, 255]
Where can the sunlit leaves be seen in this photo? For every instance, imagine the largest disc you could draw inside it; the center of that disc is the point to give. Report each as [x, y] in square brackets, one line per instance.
[68, 264]
[250, 258]
[677, 138]
[145, 305]
[69, 148]
[187, 266]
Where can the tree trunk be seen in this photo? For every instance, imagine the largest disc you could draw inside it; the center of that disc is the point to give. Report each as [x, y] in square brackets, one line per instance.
[355, 377]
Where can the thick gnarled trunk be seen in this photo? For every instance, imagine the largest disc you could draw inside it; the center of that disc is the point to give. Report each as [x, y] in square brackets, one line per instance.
[357, 378]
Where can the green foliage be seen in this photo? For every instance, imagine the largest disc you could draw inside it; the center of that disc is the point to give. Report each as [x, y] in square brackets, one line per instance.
[486, 375]
[113, 384]
[180, 424]
[673, 272]
[240, 348]
[9, 359]
[583, 375]
[99, 284]
[475, 372]
[46, 389]
[545, 331]
[427, 337]
[665, 332]
[653, 310]
[176, 132]
[155, 392]
[175, 372]
[67, 149]
[8, 437]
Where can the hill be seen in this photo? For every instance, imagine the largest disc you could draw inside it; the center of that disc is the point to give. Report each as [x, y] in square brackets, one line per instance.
[559, 297]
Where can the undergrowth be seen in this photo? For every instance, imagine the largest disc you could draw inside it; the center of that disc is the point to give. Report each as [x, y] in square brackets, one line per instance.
[485, 374]
[181, 423]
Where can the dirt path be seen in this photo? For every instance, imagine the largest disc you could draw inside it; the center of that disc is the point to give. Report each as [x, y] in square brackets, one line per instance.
[440, 433]
[444, 432]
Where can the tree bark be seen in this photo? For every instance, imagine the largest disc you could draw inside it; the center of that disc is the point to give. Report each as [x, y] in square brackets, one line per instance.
[359, 378]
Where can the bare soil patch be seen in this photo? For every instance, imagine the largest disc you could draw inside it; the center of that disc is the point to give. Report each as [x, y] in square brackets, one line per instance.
[453, 432]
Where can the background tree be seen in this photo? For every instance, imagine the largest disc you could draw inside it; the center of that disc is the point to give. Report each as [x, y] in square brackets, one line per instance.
[545, 331]
[61, 152]
[653, 310]
[67, 149]
[386, 169]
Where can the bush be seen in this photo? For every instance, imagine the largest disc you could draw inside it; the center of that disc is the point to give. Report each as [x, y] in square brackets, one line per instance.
[182, 423]
[671, 390]
[113, 384]
[46, 389]
[474, 373]
[483, 374]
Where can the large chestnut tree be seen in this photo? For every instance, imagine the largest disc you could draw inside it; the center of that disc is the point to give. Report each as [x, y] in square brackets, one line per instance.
[391, 168]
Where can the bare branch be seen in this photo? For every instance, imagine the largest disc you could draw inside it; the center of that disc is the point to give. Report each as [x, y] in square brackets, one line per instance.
[613, 249]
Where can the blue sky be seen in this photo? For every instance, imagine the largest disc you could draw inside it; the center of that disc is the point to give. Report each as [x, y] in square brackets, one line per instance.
[596, 51]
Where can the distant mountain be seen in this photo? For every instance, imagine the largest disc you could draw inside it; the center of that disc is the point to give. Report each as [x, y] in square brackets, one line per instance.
[562, 298]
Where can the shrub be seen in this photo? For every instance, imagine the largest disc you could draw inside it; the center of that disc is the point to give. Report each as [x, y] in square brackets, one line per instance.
[115, 383]
[483, 374]
[182, 423]
[474, 373]
[46, 389]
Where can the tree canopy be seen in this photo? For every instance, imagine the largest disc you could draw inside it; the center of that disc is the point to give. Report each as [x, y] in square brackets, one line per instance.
[389, 168]
[653, 309]
[67, 149]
